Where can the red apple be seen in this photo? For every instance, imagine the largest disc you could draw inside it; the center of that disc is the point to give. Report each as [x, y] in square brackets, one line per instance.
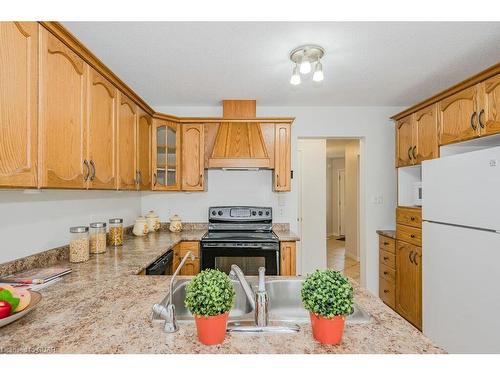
[5, 309]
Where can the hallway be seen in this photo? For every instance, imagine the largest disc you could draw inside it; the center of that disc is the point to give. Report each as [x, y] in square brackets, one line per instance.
[337, 260]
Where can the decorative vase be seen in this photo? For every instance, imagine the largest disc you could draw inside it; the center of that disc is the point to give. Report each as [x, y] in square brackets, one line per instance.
[175, 224]
[140, 227]
[211, 329]
[327, 331]
[153, 221]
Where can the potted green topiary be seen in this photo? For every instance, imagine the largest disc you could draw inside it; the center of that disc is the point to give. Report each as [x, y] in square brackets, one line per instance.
[328, 296]
[209, 297]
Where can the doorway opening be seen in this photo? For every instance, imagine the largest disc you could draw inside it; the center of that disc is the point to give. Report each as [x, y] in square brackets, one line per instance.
[329, 205]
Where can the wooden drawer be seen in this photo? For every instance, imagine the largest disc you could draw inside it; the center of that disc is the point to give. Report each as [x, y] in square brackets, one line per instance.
[387, 258]
[409, 216]
[387, 273]
[193, 246]
[387, 244]
[409, 234]
[387, 292]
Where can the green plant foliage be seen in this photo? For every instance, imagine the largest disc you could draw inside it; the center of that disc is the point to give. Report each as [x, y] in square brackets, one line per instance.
[327, 293]
[209, 293]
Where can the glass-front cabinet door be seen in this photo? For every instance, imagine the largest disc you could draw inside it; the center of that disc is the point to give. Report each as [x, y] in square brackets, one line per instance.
[166, 155]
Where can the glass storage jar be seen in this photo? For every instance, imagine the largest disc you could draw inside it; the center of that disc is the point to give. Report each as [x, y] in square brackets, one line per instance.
[116, 232]
[97, 238]
[79, 244]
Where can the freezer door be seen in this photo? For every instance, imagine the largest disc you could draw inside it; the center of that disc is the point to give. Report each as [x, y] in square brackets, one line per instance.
[461, 288]
[463, 189]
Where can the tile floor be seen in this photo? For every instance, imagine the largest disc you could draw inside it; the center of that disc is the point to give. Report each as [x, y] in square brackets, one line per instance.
[337, 260]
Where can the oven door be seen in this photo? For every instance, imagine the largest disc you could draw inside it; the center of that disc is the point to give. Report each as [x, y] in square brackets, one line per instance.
[249, 257]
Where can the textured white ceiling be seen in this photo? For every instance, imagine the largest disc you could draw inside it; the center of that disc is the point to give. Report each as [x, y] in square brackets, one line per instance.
[366, 63]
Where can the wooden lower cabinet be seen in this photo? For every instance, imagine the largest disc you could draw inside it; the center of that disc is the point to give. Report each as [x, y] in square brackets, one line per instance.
[387, 270]
[191, 267]
[409, 282]
[288, 258]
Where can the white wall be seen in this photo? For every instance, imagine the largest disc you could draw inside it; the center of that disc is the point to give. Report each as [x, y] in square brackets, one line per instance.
[351, 214]
[378, 175]
[33, 222]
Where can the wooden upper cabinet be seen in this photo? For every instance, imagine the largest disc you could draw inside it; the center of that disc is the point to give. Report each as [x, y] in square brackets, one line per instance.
[63, 111]
[193, 151]
[409, 282]
[425, 134]
[101, 131]
[18, 103]
[144, 150]
[166, 155]
[404, 141]
[458, 117]
[489, 112]
[127, 120]
[282, 158]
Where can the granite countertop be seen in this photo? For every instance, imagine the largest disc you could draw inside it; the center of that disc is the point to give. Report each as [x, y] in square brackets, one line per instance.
[103, 306]
[388, 233]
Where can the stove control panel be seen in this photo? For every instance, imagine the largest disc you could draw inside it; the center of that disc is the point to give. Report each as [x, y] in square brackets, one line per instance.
[240, 213]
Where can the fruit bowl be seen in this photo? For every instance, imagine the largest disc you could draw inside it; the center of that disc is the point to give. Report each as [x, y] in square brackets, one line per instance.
[35, 299]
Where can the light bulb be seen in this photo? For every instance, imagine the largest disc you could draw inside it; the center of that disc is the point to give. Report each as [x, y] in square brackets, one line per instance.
[295, 79]
[305, 67]
[318, 72]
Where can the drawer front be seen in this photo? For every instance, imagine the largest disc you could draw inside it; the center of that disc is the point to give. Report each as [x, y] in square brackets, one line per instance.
[193, 246]
[387, 273]
[387, 292]
[387, 244]
[409, 234]
[409, 216]
[387, 258]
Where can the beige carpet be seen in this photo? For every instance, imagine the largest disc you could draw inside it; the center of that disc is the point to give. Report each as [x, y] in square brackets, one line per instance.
[337, 260]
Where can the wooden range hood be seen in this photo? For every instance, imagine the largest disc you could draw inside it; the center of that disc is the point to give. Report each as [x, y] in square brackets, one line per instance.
[239, 145]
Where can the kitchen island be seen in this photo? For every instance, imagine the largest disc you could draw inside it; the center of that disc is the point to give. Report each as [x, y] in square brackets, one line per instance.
[104, 306]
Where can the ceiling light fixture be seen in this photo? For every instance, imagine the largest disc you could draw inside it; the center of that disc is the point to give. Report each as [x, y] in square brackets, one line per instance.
[295, 79]
[302, 57]
[318, 75]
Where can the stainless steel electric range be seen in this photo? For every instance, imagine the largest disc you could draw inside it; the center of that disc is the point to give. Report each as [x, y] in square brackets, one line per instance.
[240, 235]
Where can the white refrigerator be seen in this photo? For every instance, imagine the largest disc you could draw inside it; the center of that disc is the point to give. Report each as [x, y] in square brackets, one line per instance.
[461, 251]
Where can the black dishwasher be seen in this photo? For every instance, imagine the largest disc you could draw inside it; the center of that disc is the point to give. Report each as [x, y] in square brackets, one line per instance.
[162, 266]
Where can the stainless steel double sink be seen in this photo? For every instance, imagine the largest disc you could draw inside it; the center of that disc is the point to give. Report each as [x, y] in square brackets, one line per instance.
[285, 304]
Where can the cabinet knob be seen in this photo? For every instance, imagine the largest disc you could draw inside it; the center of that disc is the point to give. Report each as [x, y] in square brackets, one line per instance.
[412, 235]
[412, 218]
[386, 258]
[385, 272]
[386, 291]
[386, 243]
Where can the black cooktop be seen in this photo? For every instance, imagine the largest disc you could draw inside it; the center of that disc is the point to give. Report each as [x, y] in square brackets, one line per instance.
[240, 236]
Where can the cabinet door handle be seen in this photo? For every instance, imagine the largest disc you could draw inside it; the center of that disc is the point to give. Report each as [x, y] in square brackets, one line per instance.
[386, 291]
[415, 259]
[412, 218]
[140, 177]
[410, 256]
[386, 273]
[386, 243]
[87, 167]
[412, 235]
[481, 124]
[409, 153]
[386, 258]
[473, 116]
[92, 176]
[155, 179]
[414, 152]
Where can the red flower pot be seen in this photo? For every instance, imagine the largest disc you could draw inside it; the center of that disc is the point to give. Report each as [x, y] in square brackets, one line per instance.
[327, 331]
[211, 329]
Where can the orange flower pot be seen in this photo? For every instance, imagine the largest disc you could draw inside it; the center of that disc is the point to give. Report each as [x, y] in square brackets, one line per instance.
[211, 329]
[327, 331]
